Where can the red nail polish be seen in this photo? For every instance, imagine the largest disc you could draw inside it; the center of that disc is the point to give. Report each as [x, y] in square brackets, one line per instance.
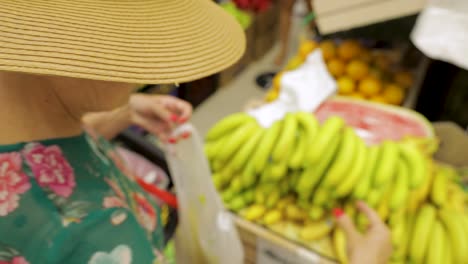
[174, 118]
[338, 212]
[172, 140]
[186, 134]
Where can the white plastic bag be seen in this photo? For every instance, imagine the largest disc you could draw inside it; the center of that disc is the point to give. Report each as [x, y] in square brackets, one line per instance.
[441, 31]
[206, 233]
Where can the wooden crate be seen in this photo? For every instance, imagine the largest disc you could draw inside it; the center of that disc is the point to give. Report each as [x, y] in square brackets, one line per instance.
[262, 246]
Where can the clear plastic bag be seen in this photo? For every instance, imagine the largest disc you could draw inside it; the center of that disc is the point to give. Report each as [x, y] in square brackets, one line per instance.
[206, 233]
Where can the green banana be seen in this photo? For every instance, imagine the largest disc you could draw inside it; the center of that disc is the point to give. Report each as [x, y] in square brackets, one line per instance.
[418, 165]
[387, 163]
[320, 196]
[237, 138]
[248, 176]
[236, 185]
[272, 199]
[436, 250]
[310, 126]
[325, 135]
[363, 188]
[344, 159]
[346, 186]
[265, 147]
[400, 187]
[227, 125]
[374, 196]
[439, 187]
[421, 233]
[312, 175]
[296, 160]
[246, 151]
[285, 142]
[316, 212]
[278, 171]
[457, 236]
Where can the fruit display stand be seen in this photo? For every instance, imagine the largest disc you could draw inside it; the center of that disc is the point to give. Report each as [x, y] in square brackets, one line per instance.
[357, 151]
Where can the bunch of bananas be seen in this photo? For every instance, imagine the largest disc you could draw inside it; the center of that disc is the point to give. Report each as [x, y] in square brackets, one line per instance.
[294, 172]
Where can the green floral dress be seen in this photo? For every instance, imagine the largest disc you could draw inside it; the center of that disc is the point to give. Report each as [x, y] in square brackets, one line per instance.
[72, 200]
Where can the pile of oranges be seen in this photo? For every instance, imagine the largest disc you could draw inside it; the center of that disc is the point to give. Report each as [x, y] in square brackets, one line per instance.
[359, 72]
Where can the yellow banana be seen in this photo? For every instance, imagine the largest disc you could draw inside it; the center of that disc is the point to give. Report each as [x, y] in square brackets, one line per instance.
[237, 203]
[265, 147]
[425, 188]
[320, 196]
[439, 187]
[349, 183]
[344, 159]
[212, 148]
[421, 233]
[245, 152]
[249, 196]
[238, 137]
[339, 246]
[325, 135]
[218, 181]
[400, 189]
[254, 212]
[375, 196]
[316, 212]
[293, 212]
[285, 143]
[272, 217]
[436, 250]
[314, 231]
[227, 125]
[227, 195]
[453, 224]
[418, 164]
[236, 185]
[364, 186]
[216, 165]
[312, 175]
[398, 229]
[387, 163]
[272, 198]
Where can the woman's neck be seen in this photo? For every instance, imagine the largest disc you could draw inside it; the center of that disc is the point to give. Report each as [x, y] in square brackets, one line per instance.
[31, 110]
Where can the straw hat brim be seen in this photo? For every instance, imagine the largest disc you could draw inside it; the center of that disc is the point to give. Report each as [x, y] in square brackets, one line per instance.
[133, 41]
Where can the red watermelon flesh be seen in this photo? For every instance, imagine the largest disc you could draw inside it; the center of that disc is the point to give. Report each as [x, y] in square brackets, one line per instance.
[376, 122]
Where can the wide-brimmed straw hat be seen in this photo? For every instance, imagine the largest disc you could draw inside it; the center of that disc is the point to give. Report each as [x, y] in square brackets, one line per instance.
[133, 41]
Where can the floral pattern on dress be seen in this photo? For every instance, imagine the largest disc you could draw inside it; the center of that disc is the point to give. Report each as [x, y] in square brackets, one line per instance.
[13, 182]
[50, 168]
[144, 211]
[9, 255]
[122, 254]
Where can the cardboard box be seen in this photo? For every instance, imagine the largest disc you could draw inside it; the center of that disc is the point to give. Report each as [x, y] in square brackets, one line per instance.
[234, 70]
[339, 15]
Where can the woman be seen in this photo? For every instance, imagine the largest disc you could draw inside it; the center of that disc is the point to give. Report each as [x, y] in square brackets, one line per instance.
[65, 195]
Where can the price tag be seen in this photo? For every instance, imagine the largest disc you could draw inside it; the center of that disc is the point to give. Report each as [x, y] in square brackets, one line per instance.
[269, 253]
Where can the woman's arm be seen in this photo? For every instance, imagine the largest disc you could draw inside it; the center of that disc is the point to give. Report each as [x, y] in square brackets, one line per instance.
[109, 124]
[158, 114]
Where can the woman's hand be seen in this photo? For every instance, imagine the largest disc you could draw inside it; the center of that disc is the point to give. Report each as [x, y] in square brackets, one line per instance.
[373, 247]
[159, 114]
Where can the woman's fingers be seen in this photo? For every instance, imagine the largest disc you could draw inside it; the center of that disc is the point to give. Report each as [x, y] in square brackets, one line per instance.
[343, 221]
[374, 218]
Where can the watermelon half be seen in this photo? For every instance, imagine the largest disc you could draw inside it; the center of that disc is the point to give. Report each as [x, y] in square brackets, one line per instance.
[376, 122]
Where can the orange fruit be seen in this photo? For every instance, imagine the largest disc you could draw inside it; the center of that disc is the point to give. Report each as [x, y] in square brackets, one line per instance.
[328, 49]
[378, 99]
[393, 94]
[345, 85]
[369, 86]
[349, 50]
[357, 70]
[294, 62]
[336, 67]
[404, 79]
[365, 56]
[307, 47]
